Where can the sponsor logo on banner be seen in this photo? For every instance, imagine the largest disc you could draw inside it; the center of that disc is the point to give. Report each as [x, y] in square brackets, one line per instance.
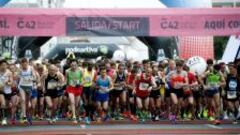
[3, 23]
[88, 49]
[103, 49]
[84, 50]
[181, 25]
[26, 23]
[115, 26]
[119, 22]
[31, 25]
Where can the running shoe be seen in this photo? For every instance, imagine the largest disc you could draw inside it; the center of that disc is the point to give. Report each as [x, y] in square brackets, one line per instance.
[146, 115]
[216, 122]
[173, 119]
[225, 116]
[74, 120]
[23, 120]
[235, 122]
[190, 116]
[152, 117]
[126, 114]
[118, 117]
[184, 115]
[99, 120]
[142, 120]
[141, 115]
[13, 121]
[170, 117]
[157, 118]
[87, 120]
[114, 116]
[205, 113]
[80, 119]
[92, 118]
[106, 118]
[69, 115]
[40, 118]
[29, 120]
[54, 120]
[211, 118]
[133, 118]
[231, 116]
[4, 122]
[198, 115]
[238, 115]
[50, 121]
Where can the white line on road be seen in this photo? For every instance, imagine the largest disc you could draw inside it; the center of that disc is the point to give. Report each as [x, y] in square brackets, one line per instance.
[213, 126]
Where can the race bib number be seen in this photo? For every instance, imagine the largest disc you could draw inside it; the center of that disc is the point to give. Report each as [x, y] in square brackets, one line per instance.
[26, 81]
[74, 83]
[103, 89]
[88, 79]
[231, 94]
[213, 86]
[196, 88]
[118, 88]
[143, 86]
[232, 85]
[178, 85]
[52, 85]
[186, 89]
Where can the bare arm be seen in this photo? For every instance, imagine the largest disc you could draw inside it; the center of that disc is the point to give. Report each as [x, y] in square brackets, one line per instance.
[186, 80]
[153, 84]
[111, 84]
[202, 77]
[223, 82]
[135, 84]
[61, 79]
[43, 78]
[114, 80]
[38, 80]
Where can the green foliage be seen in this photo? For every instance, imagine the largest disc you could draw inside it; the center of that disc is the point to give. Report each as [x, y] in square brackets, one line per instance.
[220, 44]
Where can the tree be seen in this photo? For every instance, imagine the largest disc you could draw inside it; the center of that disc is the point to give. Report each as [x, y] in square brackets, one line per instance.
[220, 44]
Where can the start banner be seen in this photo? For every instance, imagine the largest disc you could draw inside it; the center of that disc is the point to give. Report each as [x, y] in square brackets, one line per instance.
[119, 22]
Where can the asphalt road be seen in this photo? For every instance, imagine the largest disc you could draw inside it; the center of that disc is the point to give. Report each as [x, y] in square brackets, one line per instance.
[121, 128]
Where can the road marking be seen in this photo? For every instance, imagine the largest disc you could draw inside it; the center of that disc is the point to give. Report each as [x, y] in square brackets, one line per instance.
[213, 126]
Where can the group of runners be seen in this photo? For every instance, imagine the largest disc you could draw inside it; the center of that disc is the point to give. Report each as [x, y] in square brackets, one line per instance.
[103, 90]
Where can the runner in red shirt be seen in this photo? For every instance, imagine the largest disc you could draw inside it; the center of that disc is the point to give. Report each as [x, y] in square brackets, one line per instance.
[143, 86]
[130, 86]
[178, 80]
[188, 108]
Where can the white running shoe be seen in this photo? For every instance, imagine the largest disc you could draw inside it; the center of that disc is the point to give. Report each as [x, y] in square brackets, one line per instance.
[231, 116]
[54, 120]
[4, 122]
[156, 118]
[50, 121]
[238, 116]
[225, 116]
